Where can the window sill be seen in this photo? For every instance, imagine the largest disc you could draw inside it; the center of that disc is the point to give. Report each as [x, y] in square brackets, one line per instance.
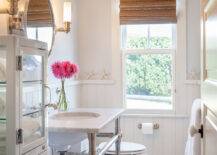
[149, 112]
[153, 113]
[131, 114]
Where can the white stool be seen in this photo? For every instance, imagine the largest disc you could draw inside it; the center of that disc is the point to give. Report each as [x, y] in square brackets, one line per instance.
[127, 148]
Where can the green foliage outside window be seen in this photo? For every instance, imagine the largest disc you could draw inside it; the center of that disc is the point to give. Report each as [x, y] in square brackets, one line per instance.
[149, 74]
[154, 42]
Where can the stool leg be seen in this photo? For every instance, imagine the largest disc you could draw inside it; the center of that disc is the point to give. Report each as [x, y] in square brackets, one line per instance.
[118, 131]
[92, 143]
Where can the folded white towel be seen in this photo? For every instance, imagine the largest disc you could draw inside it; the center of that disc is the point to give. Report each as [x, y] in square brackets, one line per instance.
[32, 137]
[30, 126]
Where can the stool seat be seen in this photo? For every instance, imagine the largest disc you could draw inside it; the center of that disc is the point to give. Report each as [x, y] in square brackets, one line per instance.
[127, 148]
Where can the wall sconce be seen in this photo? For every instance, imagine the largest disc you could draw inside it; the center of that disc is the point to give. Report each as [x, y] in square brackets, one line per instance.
[4, 6]
[67, 11]
[10, 7]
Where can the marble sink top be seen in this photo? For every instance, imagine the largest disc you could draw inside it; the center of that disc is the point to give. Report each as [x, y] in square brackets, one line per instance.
[74, 115]
[82, 119]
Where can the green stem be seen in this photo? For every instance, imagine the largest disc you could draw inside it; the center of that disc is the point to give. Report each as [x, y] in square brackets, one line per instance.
[62, 103]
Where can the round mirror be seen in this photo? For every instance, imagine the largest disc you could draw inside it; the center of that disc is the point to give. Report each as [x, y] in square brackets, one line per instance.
[40, 23]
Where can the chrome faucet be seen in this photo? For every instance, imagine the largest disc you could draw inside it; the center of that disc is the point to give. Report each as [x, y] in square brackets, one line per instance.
[51, 105]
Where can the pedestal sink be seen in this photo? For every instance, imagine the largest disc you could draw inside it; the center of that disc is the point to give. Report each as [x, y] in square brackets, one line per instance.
[75, 115]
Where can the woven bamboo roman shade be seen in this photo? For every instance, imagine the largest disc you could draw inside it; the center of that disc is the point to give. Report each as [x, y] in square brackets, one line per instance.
[39, 13]
[147, 11]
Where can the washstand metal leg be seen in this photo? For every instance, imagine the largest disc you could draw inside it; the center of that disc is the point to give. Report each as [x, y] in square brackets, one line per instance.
[92, 143]
[118, 132]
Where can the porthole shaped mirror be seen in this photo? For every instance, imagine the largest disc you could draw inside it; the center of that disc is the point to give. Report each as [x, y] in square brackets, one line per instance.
[40, 23]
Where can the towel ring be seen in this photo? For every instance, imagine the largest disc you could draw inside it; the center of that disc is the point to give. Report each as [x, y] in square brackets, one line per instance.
[193, 130]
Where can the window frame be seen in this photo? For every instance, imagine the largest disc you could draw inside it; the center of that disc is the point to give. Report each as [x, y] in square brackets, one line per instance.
[125, 52]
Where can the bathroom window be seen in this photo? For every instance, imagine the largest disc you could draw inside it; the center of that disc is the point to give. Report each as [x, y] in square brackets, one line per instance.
[148, 58]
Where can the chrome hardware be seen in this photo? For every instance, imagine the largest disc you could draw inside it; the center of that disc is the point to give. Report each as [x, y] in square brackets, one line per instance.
[19, 63]
[193, 130]
[155, 126]
[19, 137]
[110, 135]
[51, 105]
[115, 139]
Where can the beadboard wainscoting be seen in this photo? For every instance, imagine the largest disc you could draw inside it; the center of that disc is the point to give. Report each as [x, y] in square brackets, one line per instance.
[169, 139]
[100, 94]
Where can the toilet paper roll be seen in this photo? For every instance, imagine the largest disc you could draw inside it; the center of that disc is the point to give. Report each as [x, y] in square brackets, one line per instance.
[147, 128]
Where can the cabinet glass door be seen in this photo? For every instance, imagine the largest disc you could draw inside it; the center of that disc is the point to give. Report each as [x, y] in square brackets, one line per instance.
[210, 134]
[32, 98]
[3, 102]
[210, 40]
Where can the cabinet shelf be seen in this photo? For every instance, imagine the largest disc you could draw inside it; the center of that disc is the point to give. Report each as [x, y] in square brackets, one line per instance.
[4, 83]
[30, 112]
[2, 119]
[32, 82]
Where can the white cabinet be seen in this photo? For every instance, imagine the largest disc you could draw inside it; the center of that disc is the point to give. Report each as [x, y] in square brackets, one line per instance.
[210, 132]
[209, 71]
[23, 66]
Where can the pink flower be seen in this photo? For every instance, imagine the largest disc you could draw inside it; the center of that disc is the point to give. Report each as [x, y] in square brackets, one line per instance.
[57, 70]
[64, 69]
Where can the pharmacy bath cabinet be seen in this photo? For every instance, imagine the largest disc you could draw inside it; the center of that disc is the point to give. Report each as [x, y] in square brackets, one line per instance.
[23, 64]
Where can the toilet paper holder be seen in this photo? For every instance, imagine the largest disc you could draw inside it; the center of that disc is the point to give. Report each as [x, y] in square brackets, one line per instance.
[155, 126]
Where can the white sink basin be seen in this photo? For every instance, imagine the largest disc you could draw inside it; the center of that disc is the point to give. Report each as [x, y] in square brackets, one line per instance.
[83, 120]
[75, 115]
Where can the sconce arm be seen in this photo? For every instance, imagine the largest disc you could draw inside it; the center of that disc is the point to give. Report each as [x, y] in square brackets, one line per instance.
[66, 28]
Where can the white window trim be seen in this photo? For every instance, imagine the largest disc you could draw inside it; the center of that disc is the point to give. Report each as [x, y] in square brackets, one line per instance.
[171, 51]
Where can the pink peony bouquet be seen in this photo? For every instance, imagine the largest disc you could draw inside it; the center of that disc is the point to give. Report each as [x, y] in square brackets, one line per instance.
[63, 70]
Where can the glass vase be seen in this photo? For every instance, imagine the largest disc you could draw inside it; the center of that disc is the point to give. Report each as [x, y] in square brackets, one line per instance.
[62, 102]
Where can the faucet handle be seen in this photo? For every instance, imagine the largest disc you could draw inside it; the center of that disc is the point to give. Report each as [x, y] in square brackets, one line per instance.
[53, 105]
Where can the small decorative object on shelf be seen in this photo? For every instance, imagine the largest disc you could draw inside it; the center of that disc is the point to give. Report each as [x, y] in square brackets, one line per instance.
[63, 70]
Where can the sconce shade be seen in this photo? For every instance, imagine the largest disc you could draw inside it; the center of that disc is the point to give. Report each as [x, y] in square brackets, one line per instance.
[4, 6]
[67, 11]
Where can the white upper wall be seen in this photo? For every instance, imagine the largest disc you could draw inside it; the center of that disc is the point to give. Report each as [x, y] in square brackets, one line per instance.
[65, 44]
[64, 48]
[193, 39]
[94, 36]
